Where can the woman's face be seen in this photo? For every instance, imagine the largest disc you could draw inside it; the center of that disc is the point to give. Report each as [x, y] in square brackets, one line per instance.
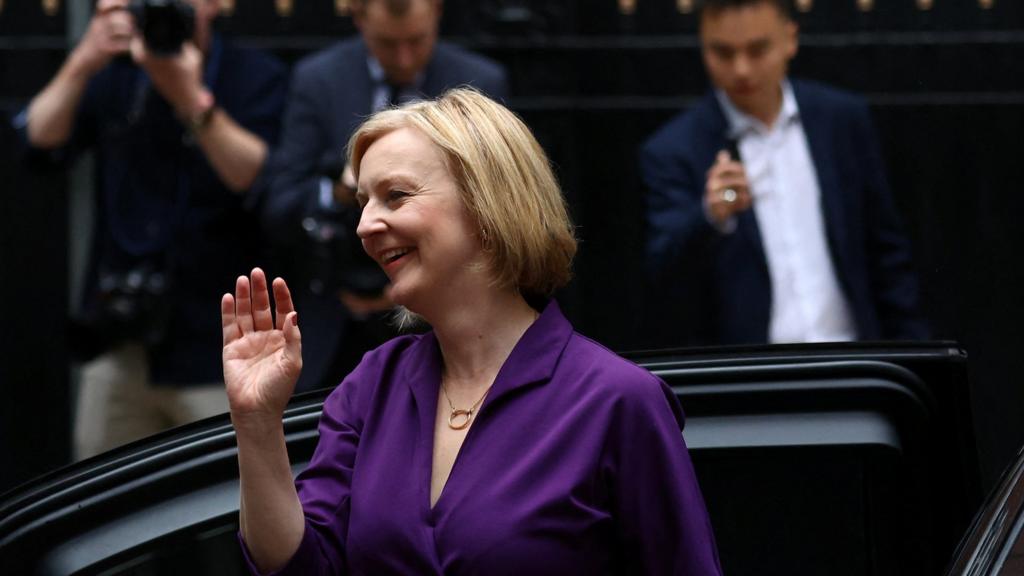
[414, 223]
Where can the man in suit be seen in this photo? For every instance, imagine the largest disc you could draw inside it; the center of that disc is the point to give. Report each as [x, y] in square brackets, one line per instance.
[790, 236]
[310, 213]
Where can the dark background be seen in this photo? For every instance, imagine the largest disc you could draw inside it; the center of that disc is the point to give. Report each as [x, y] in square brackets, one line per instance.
[945, 85]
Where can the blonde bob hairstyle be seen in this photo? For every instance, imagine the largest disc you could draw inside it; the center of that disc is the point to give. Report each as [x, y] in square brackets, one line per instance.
[503, 177]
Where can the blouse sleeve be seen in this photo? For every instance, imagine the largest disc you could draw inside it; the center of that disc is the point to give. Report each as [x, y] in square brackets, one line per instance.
[324, 487]
[661, 520]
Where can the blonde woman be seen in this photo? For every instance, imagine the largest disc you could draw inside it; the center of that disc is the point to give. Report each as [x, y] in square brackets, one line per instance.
[499, 442]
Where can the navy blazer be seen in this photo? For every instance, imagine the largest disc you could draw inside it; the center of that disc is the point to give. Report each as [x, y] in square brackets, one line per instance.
[718, 284]
[331, 94]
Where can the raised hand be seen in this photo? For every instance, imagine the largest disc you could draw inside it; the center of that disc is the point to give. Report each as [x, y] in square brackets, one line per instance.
[262, 357]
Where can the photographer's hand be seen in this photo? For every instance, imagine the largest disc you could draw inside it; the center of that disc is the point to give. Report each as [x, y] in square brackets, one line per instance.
[52, 112]
[109, 34]
[363, 306]
[345, 188]
[178, 78]
[236, 154]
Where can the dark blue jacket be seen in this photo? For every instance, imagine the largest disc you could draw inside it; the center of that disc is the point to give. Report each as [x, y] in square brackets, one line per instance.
[331, 94]
[718, 284]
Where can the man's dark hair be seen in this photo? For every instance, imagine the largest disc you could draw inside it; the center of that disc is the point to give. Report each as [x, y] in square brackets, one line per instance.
[718, 6]
[395, 8]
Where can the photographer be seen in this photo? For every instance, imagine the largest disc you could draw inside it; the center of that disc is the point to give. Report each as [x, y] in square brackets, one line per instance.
[180, 121]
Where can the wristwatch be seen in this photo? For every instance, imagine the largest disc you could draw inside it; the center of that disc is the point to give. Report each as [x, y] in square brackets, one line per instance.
[198, 122]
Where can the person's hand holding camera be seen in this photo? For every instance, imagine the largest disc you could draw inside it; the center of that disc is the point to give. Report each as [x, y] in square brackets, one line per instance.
[363, 306]
[177, 77]
[109, 34]
[345, 188]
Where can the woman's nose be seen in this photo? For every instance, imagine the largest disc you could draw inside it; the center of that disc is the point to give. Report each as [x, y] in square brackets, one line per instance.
[369, 221]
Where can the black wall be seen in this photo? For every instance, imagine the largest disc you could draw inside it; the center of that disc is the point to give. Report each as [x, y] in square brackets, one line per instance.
[35, 410]
[944, 85]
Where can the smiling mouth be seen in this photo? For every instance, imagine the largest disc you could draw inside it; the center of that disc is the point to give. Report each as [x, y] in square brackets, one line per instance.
[393, 255]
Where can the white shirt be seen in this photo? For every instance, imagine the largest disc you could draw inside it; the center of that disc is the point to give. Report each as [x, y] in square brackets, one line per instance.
[381, 88]
[807, 303]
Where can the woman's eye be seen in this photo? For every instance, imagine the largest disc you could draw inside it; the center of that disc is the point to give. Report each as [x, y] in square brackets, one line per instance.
[395, 195]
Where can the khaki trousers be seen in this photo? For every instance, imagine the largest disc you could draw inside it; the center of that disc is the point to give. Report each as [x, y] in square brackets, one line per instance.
[118, 404]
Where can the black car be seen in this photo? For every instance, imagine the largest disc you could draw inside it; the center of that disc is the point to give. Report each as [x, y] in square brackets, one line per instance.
[851, 459]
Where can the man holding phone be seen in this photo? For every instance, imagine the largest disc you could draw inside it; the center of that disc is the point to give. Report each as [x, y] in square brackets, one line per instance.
[768, 212]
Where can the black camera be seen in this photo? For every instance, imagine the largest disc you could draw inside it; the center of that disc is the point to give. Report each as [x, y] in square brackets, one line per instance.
[165, 24]
[132, 304]
[334, 256]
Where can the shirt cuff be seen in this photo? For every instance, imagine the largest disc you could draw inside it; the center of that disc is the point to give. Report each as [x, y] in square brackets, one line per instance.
[303, 562]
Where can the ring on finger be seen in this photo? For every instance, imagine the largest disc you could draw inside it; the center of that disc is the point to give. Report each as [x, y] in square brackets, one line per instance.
[729, 195]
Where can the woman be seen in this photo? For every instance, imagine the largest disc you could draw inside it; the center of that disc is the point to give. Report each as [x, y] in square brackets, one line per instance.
[500, 442]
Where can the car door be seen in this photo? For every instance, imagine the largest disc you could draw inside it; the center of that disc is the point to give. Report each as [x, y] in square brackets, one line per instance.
[813, 459]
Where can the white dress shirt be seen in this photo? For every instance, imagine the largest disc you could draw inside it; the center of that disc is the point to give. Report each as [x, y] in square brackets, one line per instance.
[807, 304]
[381, 89]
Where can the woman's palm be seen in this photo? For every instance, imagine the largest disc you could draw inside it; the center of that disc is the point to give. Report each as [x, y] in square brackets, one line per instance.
[262, 358]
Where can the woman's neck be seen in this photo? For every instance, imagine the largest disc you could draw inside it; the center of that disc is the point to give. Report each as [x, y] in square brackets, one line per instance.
[477, 337]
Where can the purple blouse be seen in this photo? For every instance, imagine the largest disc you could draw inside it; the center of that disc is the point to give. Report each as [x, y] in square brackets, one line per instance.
[574, 465]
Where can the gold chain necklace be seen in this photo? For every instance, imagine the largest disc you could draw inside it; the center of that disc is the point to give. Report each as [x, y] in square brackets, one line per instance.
[460, 419]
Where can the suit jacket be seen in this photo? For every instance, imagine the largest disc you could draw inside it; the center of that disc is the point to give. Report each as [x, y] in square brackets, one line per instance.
[718, 285]
[331, 94]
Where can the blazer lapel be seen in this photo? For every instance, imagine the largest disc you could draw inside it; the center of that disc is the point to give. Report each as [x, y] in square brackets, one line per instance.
[824, 155]
[352, 78]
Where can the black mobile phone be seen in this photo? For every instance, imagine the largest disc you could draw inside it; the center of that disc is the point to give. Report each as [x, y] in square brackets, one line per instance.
[733, 146]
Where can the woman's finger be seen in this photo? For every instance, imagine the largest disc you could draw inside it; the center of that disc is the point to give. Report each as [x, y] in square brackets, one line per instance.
[262, 319]
[227, 319]
[292, 339]
[243, 305]
[282, 302]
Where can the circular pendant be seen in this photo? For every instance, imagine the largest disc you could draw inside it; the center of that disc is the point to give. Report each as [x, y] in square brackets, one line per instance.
[459, 419]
